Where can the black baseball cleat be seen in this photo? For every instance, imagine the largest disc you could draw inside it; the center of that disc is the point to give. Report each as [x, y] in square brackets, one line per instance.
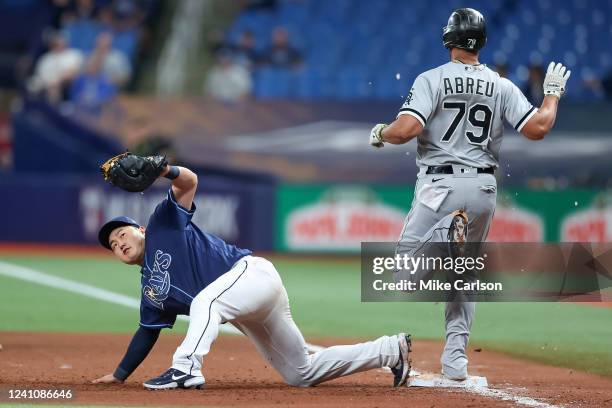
[402, 370]
[174, 378]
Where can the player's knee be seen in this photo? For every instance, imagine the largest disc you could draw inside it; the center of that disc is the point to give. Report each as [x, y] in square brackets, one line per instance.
[297, 379]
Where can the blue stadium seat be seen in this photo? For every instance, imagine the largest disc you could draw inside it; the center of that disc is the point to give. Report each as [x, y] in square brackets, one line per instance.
[348, 43]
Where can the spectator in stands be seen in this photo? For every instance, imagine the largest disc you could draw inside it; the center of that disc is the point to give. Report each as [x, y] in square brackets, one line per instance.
[85, 9]
[281, 54]
[124, 25]
[217, 43]
[606, 84]
[79, 10]
[126, 14]
[92, 89]
[244, 52]
[115, 64]
[60, 10]
[533, 88]
[56, 69]
[228, 81]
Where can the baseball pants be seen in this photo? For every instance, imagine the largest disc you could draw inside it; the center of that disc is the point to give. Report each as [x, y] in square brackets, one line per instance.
[437, 196]
[252, 297]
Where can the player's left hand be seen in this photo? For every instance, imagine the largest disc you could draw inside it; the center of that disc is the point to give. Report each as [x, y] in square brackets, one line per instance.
[376, 139]
[555, 80]
[133, 173]
[107, 379]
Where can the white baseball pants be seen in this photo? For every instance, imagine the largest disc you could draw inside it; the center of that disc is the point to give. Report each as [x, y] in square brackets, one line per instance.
[252, 297]
[476, 194]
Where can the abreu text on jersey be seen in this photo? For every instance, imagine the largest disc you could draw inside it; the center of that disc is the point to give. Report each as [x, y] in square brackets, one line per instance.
[460, 85]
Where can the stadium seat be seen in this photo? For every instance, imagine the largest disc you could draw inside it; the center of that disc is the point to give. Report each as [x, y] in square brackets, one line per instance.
[345, 42]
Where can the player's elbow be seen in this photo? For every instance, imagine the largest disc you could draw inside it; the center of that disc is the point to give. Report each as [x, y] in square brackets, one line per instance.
[535, 131]
[537, 134]
[190, 178]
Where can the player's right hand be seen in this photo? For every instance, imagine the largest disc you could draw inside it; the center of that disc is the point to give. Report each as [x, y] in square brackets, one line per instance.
[376, 139]
[107, 379]
[555, 80]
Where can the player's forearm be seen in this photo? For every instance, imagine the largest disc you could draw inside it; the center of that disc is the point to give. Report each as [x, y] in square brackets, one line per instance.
[542, 122]
[397, 133]
[139, 348]
[548, 113]
[184, 184]
[185, 180]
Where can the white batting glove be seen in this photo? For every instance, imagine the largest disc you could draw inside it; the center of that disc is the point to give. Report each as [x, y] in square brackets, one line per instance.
[555, 80]
[376, 139]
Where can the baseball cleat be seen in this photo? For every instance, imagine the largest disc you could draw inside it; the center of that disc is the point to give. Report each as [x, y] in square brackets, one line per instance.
[455, 375]
[402, 370]
[174, 378]
[459, 227]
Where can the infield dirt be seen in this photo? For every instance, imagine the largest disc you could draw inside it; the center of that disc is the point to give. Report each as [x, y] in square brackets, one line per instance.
[237, 376]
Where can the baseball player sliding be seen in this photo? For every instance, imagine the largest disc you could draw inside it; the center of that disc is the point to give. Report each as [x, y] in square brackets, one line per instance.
[186, 271]
[456, 111]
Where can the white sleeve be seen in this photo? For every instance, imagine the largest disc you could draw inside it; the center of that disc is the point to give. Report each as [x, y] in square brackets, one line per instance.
[517, 109]
[420, 101]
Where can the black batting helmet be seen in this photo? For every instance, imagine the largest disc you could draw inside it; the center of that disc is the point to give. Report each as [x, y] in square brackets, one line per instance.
[465, 29]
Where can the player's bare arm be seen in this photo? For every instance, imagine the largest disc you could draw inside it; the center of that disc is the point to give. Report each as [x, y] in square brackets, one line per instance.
[554, 87]
[540, 124]
[402, 130]
[184, 186]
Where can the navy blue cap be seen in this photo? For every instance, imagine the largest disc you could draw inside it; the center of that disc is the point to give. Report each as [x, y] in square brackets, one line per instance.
[107, 228]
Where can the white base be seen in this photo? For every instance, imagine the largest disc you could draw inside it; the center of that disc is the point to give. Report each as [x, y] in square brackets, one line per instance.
[439, 381]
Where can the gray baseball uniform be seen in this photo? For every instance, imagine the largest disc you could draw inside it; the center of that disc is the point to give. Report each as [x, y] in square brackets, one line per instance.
[462, 108]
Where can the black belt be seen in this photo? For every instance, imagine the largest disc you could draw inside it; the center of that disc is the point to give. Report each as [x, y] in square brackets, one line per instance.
[449, 170]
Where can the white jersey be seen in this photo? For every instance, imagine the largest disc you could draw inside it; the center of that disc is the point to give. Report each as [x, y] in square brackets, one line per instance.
[462, 109]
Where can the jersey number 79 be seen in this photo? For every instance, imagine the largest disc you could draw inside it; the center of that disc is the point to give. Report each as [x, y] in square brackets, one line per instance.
[484, 124]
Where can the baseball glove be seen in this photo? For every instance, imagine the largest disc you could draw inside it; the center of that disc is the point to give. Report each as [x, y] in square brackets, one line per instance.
[133, 173]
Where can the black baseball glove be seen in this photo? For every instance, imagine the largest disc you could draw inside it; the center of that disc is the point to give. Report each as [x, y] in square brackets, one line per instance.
[133, 173]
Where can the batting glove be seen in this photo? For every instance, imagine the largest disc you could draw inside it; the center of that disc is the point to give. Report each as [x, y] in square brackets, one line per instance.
[555, 80]
[376, 139]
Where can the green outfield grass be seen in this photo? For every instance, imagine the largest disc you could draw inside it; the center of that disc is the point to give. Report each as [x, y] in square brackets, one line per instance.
[325, 299]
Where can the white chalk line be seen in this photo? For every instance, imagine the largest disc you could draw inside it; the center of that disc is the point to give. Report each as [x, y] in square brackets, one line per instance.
[41, 278]
[507, 395]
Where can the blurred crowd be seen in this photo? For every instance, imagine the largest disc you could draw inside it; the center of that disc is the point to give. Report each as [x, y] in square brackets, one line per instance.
[87, 52]
[230, 78]
[533, 78]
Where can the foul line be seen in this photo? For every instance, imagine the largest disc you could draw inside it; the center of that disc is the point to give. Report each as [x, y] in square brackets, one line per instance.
[506, 395]
[41, 278]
